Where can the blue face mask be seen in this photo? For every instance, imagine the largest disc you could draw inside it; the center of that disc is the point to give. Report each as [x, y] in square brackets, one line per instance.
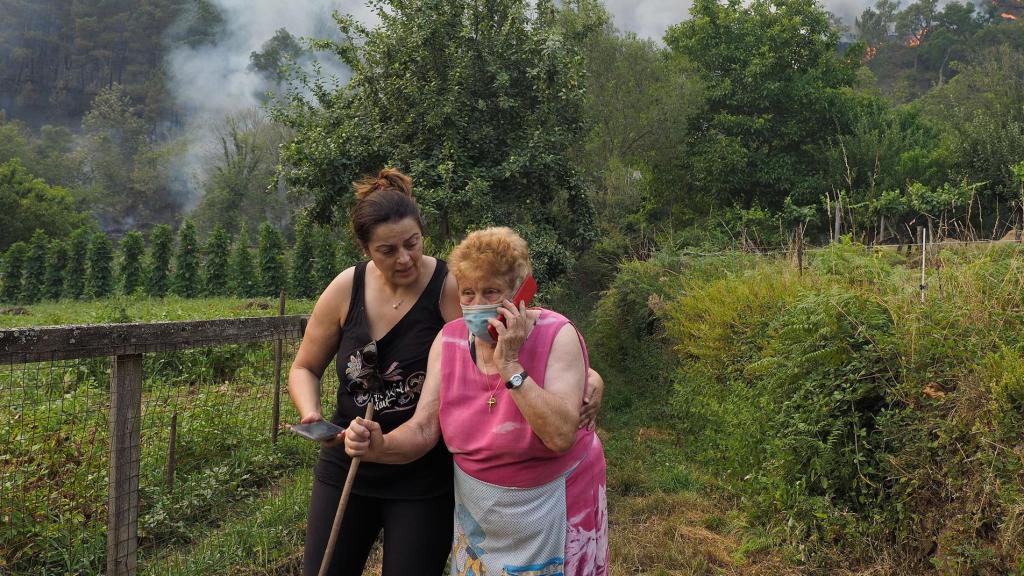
[476, 320]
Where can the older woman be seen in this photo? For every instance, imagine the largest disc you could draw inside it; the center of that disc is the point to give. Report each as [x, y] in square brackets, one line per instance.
[529, 485]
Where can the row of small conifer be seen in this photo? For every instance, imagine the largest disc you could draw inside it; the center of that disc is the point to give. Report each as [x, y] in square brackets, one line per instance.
[87, 266]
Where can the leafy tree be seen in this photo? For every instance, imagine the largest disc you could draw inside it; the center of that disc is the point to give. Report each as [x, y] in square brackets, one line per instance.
[48, 156]
[325, 267]
[185, 282]
[483, 117]
[774, 87]
[273, 276]
[886, 147]
[133, 248]
[200, 23]
[34, 270]
[13, 271]
[302, 280]
[243, 280]
[99, 278]
[124, 172]
[28, 204]
[982, 107]
[74, 274]
[275, 56]
[917, 19]
[161, 245]
[640, 97]
[215, 271]
[874, 24]
[56, 263]
[241, 173]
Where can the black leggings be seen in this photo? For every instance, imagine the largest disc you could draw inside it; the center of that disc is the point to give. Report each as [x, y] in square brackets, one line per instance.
[417, 533]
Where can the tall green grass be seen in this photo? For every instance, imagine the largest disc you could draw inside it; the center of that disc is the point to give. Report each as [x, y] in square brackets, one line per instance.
[55, 433]
[859, 424]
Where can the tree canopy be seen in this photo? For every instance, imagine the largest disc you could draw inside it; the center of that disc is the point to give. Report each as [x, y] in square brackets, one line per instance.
[480, 103]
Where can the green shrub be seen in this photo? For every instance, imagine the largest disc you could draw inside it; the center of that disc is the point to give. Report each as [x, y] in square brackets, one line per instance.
[302, 280]
[243, 271]
[215, 270]
[185, 281]
[99, 278]
[56, 262]
[270, 254]
[13, 271]
[161, 245]
[34, 274]
[78, 263]
[836, 404]
[326, 266]
[133, 246]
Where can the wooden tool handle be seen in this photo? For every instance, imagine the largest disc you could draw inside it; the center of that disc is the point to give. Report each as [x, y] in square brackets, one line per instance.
[345, 492]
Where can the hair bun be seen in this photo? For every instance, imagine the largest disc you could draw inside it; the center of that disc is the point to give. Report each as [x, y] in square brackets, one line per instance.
[386, 179]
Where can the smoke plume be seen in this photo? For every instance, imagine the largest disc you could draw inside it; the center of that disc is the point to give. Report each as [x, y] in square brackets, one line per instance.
[214, 80]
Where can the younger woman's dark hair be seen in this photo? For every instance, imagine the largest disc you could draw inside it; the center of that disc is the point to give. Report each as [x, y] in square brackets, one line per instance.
[386, 197]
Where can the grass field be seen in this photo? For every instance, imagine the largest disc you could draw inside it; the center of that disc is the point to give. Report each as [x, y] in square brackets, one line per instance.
[239, 507]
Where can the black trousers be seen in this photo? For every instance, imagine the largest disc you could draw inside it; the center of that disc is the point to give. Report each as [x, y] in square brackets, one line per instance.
[417, 533]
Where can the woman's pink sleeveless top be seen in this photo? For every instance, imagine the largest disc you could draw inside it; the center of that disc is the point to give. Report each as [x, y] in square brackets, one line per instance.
[497, 445]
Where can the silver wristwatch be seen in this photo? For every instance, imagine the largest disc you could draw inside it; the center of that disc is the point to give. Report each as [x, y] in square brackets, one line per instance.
[516, 380]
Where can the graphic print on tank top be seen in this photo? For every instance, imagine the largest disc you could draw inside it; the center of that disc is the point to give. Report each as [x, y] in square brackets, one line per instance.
[394, 392]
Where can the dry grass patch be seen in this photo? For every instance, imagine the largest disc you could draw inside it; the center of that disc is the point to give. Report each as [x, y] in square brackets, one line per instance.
[681, 535]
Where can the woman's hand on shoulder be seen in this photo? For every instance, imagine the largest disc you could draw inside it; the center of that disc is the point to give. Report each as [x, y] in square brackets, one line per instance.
[450, 305]
[592, 400]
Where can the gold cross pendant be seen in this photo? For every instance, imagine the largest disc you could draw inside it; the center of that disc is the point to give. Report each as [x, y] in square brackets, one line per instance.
[490, 403]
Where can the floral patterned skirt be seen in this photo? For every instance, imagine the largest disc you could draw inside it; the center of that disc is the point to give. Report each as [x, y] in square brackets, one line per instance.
[556, 529]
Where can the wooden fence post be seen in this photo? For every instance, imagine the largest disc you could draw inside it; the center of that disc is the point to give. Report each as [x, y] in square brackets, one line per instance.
[125, 453]
[278, 344]
[172, 451]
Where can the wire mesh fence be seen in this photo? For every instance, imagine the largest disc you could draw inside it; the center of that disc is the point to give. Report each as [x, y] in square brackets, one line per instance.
[111, 465]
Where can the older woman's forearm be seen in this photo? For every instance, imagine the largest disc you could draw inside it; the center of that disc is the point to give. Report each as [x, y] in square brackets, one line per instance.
[406, 443]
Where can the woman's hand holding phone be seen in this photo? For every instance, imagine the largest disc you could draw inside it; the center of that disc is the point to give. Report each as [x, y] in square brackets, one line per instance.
[313, 426]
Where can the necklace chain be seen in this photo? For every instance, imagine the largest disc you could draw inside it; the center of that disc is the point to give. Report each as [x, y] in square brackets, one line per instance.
[492, 400]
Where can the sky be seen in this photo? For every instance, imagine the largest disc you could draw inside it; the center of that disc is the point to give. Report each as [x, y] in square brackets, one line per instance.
[650, 18]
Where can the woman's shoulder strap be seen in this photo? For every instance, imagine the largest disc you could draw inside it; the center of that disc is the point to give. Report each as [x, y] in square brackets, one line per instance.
[436, 284]
[358, 282]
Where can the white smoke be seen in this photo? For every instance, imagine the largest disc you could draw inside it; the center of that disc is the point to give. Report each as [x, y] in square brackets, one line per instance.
[212, 81]
[651, 18]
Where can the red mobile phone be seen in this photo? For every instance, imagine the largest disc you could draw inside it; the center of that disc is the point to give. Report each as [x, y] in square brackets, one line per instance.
[524, 294]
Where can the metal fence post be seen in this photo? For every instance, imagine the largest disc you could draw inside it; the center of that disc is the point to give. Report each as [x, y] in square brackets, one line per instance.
[125, 454]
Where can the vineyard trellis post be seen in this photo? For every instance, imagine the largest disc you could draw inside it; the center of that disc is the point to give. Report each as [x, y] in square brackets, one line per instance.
[922, 234]
[172, 448]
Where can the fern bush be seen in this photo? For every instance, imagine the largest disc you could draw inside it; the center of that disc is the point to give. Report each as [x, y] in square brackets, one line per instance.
[865, 426]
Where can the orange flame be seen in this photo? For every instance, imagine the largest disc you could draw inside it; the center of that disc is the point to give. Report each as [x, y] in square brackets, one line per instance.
[869, 54]
[915, 40]
[1008, 16]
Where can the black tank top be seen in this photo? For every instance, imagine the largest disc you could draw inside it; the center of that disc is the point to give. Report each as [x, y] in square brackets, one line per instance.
[402, 365]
